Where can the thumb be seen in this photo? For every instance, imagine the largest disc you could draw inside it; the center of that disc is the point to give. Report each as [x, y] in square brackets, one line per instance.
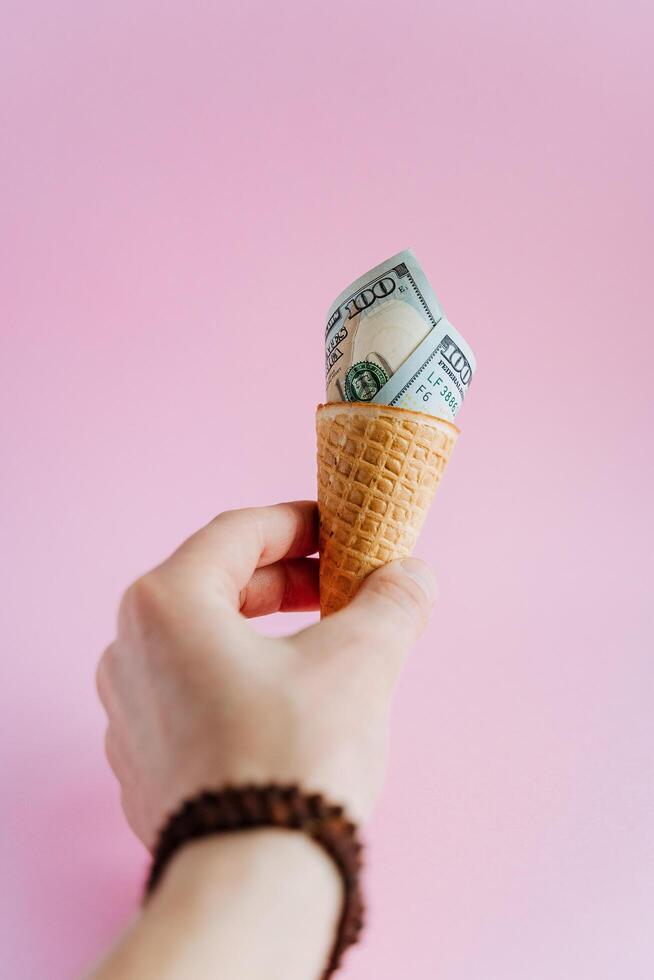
[386, 616]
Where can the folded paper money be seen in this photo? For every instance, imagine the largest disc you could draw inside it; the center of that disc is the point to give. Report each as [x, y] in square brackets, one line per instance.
[397, 374]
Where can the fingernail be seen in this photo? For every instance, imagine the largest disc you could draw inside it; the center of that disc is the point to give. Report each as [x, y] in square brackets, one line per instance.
[423, 575]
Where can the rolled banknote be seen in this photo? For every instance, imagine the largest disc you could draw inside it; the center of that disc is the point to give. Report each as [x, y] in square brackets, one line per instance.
[387, 341]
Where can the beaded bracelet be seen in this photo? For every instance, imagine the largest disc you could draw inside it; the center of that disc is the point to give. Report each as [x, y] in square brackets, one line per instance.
[237, 808]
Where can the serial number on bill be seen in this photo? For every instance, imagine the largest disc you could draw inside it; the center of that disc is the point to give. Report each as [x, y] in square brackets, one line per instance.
[439, 387]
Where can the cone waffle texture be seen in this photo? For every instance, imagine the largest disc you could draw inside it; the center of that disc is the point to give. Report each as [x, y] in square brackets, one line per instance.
[378, 468]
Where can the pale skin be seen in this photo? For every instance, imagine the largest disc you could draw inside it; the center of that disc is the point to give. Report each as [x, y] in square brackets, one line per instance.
[196, 699]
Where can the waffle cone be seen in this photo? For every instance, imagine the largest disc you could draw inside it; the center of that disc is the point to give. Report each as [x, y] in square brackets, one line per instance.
[378, 468]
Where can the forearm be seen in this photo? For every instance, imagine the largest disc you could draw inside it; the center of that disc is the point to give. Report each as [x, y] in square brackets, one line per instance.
[257, 905]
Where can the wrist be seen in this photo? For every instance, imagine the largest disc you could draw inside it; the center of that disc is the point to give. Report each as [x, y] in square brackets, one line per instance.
[258, 904]
[272, 897]
[197, 874]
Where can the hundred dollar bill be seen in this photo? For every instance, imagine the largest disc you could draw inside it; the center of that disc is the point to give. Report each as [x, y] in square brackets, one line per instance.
[435, 377]
[387, 341]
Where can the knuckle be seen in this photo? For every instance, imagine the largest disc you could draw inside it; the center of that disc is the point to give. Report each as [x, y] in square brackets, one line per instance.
[241, 514]
[110, 749]
[143, 601]
[103, 673]
[400, 593]
[223, 517]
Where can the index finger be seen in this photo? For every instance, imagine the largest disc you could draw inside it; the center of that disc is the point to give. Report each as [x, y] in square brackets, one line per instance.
[237, 542]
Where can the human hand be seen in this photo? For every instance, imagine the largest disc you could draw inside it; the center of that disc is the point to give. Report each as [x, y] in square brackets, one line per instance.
[196, 698]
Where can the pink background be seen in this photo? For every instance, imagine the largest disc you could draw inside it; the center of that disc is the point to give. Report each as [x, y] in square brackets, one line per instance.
[186, 186]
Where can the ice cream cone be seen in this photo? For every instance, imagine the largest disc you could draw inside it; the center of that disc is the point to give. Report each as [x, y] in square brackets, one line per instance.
[378, 468]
